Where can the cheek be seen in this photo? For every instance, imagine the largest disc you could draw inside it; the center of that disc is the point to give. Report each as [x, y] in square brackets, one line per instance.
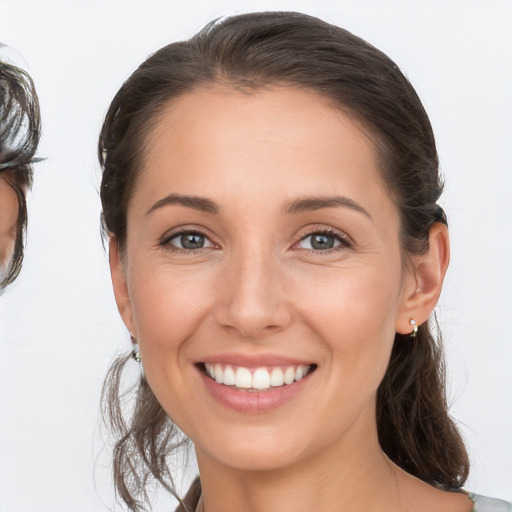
[353, 300]
[6, 254]
[168, 307]
[8, 220]
[166, 299]
[354, 321]
[354, 316]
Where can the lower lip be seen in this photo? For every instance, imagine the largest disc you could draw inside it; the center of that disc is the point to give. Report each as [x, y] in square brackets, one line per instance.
[254, 401]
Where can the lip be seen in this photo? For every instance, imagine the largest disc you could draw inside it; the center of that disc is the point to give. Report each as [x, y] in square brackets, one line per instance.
[253, 401]
[254, 361]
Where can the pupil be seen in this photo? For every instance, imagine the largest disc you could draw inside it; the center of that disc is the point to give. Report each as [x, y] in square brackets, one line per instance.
[192, 241]
[322, 242]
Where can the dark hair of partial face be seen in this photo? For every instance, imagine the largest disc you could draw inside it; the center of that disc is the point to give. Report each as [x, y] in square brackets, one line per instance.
[249, 52]
[20, 130]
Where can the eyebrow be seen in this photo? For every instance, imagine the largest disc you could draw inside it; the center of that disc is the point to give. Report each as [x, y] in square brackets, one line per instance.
[308, 204]
[197, 203]
[297, 206]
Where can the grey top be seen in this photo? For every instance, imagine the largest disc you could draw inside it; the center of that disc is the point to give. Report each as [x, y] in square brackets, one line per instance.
[483, 504]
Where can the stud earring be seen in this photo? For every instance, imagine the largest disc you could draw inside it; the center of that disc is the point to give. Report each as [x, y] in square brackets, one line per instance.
[135, 351]
[414, 331]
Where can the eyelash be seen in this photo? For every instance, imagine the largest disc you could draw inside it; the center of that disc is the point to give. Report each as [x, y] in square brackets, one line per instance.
[340, 237]
[344, 242]
[166, 241]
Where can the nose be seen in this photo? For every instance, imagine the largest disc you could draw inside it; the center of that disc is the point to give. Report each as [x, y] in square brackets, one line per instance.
[251, 296]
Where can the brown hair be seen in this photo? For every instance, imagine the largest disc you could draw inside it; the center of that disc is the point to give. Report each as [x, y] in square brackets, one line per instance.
[290, 49]
[20, 130]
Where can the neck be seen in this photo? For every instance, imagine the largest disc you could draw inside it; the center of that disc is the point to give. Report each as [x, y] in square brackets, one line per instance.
[348, 476]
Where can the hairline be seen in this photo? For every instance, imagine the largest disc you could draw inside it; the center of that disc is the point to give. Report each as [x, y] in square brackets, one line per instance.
[156, 110]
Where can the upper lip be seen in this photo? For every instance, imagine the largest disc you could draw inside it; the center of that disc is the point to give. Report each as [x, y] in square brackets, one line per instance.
[254, 360]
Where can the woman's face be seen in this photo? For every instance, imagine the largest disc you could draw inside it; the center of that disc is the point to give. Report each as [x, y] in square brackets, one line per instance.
[8, 220]
[262, 245]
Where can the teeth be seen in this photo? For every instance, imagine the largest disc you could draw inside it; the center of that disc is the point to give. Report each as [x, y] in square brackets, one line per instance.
[259, 378]
[219, 374]
[229, 376]
[243, 378]
[276, 377]
[289, 375]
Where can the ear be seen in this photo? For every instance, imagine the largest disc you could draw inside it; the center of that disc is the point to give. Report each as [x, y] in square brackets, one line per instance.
[118, 275]
[424, 280]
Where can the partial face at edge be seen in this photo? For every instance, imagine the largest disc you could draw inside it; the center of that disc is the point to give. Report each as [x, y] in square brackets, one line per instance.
[260, 235]
[8, 222]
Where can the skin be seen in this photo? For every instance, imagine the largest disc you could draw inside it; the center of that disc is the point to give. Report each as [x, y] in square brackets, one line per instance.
[8, 218]
[257, 287]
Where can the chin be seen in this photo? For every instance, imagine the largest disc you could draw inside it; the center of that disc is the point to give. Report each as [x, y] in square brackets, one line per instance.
[253, 449]
[257, 459]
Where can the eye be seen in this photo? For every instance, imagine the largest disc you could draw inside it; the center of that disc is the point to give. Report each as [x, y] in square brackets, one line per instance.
[322, 241]
[189, 241]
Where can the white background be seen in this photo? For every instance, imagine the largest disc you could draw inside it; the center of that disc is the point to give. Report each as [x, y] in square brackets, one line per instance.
[59, 327]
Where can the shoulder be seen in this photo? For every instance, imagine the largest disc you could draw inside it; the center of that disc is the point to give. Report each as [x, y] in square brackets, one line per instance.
[484, 504]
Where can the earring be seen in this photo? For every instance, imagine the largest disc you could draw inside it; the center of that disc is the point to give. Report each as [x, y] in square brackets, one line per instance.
[414, 331]
[135, 351]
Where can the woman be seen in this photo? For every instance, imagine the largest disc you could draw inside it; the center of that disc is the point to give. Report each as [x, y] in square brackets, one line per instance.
[20, 129]
[269, 191]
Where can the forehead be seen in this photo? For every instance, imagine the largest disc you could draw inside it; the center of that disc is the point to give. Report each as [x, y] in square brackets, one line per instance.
[231, 142]
[284, 111]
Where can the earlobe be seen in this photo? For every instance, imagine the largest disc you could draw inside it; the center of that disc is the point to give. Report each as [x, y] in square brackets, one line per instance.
[423, 285]
[119, 284]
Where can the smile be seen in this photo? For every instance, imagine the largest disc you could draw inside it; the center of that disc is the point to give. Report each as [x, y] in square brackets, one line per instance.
[256, 379]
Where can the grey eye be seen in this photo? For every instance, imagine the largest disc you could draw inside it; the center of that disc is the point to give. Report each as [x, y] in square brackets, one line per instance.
[190, 241]
[320, 242]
